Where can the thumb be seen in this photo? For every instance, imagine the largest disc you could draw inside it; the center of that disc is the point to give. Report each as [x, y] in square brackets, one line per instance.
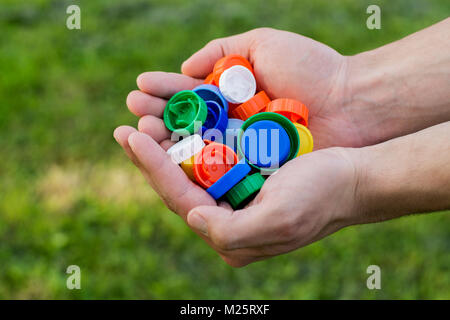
[201, 63]
[230, 229]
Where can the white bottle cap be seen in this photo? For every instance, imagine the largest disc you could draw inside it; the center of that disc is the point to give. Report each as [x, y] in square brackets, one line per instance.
[186, 148]
[237, 84]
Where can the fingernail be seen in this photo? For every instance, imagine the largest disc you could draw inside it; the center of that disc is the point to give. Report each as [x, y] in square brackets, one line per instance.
[131, 138]
[196, 221]
[183, 66]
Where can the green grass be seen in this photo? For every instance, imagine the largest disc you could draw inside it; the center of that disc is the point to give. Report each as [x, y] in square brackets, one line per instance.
[69, 196]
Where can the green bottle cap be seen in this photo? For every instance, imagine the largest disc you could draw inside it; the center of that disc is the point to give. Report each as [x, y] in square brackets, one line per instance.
[243, 192]
[182, 110]
[291, 130]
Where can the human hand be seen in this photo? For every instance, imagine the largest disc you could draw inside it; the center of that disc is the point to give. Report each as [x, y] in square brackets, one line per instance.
[286, 65]
[307, 199]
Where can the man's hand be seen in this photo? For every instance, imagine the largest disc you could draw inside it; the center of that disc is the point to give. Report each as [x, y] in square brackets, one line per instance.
[286, 65]
[307, 199]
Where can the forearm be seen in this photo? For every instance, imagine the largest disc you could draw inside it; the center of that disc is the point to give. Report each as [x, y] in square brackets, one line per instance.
[405, 175]
[402, 87]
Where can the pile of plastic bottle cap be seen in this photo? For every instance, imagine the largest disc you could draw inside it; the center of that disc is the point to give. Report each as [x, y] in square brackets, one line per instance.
[231, 137]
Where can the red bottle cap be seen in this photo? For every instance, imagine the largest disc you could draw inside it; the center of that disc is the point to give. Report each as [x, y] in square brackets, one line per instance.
[256, 104]
[212, 163]
[209, 79]
[231, 107]
[227, 62]
[292, 109]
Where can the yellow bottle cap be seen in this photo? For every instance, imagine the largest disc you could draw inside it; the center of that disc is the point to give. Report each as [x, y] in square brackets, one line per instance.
[188, 167]
[306, 139]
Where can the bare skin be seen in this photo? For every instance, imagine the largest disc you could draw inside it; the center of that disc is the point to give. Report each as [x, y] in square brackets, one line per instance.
[354, 102]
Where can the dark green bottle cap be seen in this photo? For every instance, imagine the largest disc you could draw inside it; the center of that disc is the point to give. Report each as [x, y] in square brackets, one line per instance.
[182, 110]
[243, 192]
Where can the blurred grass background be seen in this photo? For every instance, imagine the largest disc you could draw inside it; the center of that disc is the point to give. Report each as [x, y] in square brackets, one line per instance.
[68, 195]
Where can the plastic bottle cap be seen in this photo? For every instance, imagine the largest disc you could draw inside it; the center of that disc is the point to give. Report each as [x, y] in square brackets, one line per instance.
[216, 118]
[210, 79]
[292, 109]
[227, 62]
[211, 92]
[256, 104]
[229, 179]
[243, 192]
[186, 148]
[266, 144]
[214, 135]
[306, 139]
[287, 125]
[212, 163]
[237, 84]
[188, 167]
[183, 110]
[232, 132]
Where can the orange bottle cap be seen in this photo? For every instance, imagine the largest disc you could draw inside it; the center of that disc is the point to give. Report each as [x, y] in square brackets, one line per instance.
[209, 79]
[292, 109]
[212, 163]
[256, 104]
[227, 62]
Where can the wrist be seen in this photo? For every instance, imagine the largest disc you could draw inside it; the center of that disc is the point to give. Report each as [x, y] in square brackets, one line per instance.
[368, 99]
[377, 184]
[399, 88]
[403, 176]
[358, 208]
[383, 187]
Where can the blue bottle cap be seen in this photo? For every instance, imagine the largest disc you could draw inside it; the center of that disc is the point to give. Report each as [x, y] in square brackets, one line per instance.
[216, 118]
[211, 92]
[266, 144]
[232, 132]
[234, 123]
[229, 179]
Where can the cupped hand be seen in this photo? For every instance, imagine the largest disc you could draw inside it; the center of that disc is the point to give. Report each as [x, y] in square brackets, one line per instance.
[307, 199]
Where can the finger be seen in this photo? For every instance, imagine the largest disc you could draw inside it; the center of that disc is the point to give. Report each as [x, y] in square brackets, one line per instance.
[154, 127]
[225, 205]
[141, 104]
[166, 144]
[121, 135]
[170, 182]
[231, 230]
[201, 63]
[242, 261]
[165, 84]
